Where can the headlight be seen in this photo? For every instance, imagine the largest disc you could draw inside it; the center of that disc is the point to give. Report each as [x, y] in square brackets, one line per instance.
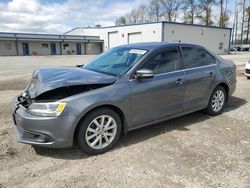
[51, 109]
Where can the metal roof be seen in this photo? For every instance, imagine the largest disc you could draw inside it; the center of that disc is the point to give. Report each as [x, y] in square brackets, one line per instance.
[35, 36]
[145, 23]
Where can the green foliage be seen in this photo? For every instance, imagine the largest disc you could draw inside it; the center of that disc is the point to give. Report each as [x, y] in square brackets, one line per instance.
[120, 21]
[190, 9]
[205, 11]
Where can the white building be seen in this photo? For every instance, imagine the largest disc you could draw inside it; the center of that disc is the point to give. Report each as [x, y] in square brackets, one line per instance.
[12, 44]
[216, 39]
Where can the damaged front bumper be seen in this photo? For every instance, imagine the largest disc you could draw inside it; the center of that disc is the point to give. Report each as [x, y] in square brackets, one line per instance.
[54, 132]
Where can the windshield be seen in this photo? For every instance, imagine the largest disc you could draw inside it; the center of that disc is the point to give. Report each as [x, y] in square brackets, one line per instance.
[116, 61]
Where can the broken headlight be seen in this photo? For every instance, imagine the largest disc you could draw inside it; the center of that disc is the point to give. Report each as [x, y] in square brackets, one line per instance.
[50, 109]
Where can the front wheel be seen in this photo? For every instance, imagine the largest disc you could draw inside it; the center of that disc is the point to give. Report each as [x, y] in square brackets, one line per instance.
[217, 101]
[99, 131]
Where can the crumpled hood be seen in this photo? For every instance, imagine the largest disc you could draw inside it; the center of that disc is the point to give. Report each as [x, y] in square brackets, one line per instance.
[47, 79]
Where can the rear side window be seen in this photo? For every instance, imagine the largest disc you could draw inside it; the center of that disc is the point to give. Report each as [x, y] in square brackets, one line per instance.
[195, 57]
[164, 62]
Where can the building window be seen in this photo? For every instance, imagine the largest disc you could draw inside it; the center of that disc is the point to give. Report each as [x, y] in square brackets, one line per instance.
[221, 46]
[7, 45]
[45, 45]
[65, 46]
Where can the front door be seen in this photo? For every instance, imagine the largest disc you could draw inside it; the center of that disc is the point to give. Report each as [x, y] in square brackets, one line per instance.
[161, 96]
[78, 49]
[200, 68]
[25, 47]
[53, 48]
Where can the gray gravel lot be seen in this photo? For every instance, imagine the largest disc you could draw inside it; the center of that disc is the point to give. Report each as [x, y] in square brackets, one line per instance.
[191, 151]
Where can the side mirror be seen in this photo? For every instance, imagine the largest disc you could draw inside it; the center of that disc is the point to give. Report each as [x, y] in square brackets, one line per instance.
[144, 74]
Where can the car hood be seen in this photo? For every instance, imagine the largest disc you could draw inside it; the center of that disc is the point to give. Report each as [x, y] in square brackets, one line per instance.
[47, 79]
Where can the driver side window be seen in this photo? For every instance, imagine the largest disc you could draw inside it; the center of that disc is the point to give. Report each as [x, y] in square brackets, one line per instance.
[164, 62]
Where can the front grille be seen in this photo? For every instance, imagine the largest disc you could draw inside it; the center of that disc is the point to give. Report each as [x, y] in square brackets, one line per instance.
[247, 71]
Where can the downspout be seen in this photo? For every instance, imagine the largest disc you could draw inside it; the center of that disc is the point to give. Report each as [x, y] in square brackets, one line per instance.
[85, 46]
[229, 46]
[17, 53]
[61, 45]
[162, 31]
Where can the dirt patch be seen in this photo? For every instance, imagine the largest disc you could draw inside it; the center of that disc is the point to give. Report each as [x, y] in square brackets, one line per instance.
[13, 84]
[3, 132]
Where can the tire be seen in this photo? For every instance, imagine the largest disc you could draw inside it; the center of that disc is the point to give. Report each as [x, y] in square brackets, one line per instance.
[248, 77]
[211, 108]
[95, 137]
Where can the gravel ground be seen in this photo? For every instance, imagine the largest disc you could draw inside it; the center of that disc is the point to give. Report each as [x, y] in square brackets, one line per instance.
[191, 151]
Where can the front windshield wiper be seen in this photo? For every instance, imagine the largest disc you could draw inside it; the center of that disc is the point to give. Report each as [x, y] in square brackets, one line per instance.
[80, 66]
[99, 71]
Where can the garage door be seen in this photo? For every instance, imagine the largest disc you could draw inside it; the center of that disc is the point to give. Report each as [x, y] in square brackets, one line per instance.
[134, 37]
[93, 48]
[112, 39]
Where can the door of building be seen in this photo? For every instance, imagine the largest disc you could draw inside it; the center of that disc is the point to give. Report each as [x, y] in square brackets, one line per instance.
[53, 48]
[25, 47]
[78, 49]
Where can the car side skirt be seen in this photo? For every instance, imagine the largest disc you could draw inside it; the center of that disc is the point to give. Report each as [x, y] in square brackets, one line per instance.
[165, 118]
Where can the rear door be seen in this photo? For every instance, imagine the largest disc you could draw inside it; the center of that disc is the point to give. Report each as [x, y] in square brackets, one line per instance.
[161, 96]
[200, 68]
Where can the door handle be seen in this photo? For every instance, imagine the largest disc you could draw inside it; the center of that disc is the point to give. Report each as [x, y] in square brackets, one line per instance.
[179, 81]
[211, 74]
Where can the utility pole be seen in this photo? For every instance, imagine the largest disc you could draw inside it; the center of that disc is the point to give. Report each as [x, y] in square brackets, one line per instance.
[233, 41]
[248, 25]
[242, 24]
[221, 13]
[236, 25]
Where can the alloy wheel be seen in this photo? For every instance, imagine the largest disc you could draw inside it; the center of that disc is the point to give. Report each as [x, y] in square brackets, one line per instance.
[218, 100]
[101, 132]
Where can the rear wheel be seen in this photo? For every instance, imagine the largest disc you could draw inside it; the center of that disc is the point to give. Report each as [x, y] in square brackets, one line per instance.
[99, 131]
[217, 101]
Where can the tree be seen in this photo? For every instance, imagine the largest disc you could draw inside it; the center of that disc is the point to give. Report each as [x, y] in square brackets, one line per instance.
[121, 21]
[242, 22]
[142, 13]
[248, 23]
[205, 11]
[190, 8]
[154, 10]
[236, 25]
[171, 8]
[224, 18]
[133, 17]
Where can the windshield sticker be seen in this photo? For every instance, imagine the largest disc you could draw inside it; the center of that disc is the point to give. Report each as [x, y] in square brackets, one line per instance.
[136, 51]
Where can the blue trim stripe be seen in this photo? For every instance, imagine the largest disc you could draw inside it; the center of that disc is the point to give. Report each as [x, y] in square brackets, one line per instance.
[16, 36]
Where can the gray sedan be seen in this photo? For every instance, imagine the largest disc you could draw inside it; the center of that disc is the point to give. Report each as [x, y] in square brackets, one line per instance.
[125, 88]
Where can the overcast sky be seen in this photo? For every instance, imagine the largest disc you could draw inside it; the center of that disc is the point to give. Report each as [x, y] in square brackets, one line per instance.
[59, 16]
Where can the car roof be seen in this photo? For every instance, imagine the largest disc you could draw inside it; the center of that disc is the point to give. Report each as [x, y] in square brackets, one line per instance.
[157, 45]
